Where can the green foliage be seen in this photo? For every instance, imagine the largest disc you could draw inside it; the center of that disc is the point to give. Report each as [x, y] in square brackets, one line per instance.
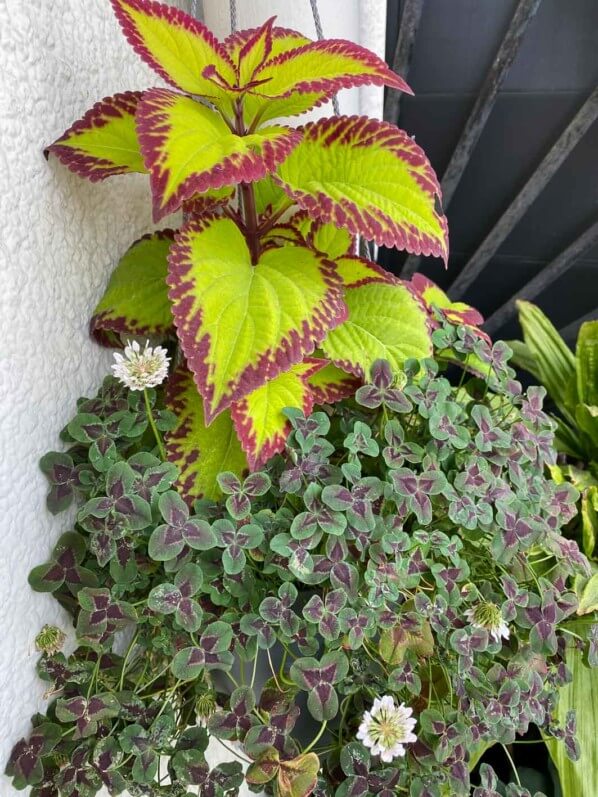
[405, 548]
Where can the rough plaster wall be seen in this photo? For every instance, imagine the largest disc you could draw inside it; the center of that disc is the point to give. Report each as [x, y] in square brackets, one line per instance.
[59, 240]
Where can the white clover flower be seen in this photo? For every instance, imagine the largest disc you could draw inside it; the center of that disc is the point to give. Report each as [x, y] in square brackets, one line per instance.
[139, 369]
[489, 616]
[387, 728]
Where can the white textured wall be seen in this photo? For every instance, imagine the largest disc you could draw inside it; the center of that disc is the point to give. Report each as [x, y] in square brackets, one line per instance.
[59, 240]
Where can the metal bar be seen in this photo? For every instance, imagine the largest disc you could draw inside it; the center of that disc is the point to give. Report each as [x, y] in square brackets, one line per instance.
[571, 330]
[523, 15]
[572, 134]
[545, 277]
[412, 11]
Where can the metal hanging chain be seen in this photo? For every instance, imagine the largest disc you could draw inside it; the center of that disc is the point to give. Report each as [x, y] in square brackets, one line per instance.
[320, 34]
[233, 16]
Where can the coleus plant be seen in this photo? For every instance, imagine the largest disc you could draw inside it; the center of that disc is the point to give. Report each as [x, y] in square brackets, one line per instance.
[398, 574]
[261, 291]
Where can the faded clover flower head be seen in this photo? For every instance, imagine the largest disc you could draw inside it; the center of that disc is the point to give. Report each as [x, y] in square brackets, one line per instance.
[387, 728]
[139, 369]
[50, 640]
[488, 615]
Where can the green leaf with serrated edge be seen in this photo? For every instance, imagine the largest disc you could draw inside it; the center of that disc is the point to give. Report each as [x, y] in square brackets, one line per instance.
[356, 271]
[176, 45]
[104, 141]
[189, 148]
[261, 425]
[269, 197]
[332, 241]
[331, 384]
[370, 178]
[587, 363]
[385, 323]
[241, 324]
[200, 452]
[136, 298]
[554, 359]
[580, 777]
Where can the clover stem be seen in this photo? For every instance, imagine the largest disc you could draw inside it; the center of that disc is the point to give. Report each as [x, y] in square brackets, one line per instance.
[512, 763]
[273, 671]
[126, 660]
[317, 737]
[254, 671]
[154, 428]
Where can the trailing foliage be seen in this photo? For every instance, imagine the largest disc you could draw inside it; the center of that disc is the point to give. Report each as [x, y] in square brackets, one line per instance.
[263, 270]
[405, 544]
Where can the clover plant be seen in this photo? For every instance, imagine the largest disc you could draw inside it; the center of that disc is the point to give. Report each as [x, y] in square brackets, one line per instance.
[261, 291]
[381, 602]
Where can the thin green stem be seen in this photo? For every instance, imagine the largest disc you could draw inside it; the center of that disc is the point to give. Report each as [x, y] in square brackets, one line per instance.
[317, 737]
[126, 659]
[154, 428]
[508, 755]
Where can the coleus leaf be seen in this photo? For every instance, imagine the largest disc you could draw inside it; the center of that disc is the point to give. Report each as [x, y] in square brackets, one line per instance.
[434, 297]
[188, 148]
[296, 80]
[330, 384]
[356, 271]
[385, 323]
[176, 45]
[199, 451]
[136, 299]
[104, 141]
[259, 420]
[240, 324]
[370, 178]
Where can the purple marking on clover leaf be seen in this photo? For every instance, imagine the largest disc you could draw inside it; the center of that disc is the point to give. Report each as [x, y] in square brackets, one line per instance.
[542, 618]
[467, 513]
[489, 437]
[64, 567]
[78, 778]
[444, 424]
[531, 407]
[357, 626]
[360, 440]
[325, 612]
[278, 610]
[235, 723]
[25, 761]
[318, 516]
[86, 712]
[239, 501]
[179, 530]
[212, 653]
[398, 451]
[356, 502]
[235, 540]
[100, 614]
[254, 625]
[426, 398]
[64, 478]
[515, 533]
[317, 678]
[417, 489]
[178, 599]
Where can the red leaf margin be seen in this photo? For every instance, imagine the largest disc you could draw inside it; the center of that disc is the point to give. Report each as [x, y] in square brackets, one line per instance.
[243, 426]
[170, 14]
[344, 213]
[98, 115]
[299, 344]
[230, 171]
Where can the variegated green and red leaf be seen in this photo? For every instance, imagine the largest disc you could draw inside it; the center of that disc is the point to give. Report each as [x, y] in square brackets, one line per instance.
[355, 271]
[370, 178]
[189, 149]
[200, 452]
[240, 324]
[434, 297]
[386, 322]
[255, 50]
[176, 45]
[104, 141]
[261, 425]
[331, 384]
[136, 300]
[325, 67]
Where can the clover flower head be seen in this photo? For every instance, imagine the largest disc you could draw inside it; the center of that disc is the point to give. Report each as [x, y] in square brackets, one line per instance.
[50, 640]
[386, 728]
[489, 616]
[139, 369]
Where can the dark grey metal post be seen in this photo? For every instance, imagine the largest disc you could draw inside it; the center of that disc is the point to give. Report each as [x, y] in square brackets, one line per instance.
[412, 10]
[570, 331]
[509, 47]
[572, 134]
[547, 275]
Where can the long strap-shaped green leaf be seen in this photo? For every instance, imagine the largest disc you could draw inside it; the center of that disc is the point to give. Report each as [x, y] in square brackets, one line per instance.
[587, 363]
[578, 778]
